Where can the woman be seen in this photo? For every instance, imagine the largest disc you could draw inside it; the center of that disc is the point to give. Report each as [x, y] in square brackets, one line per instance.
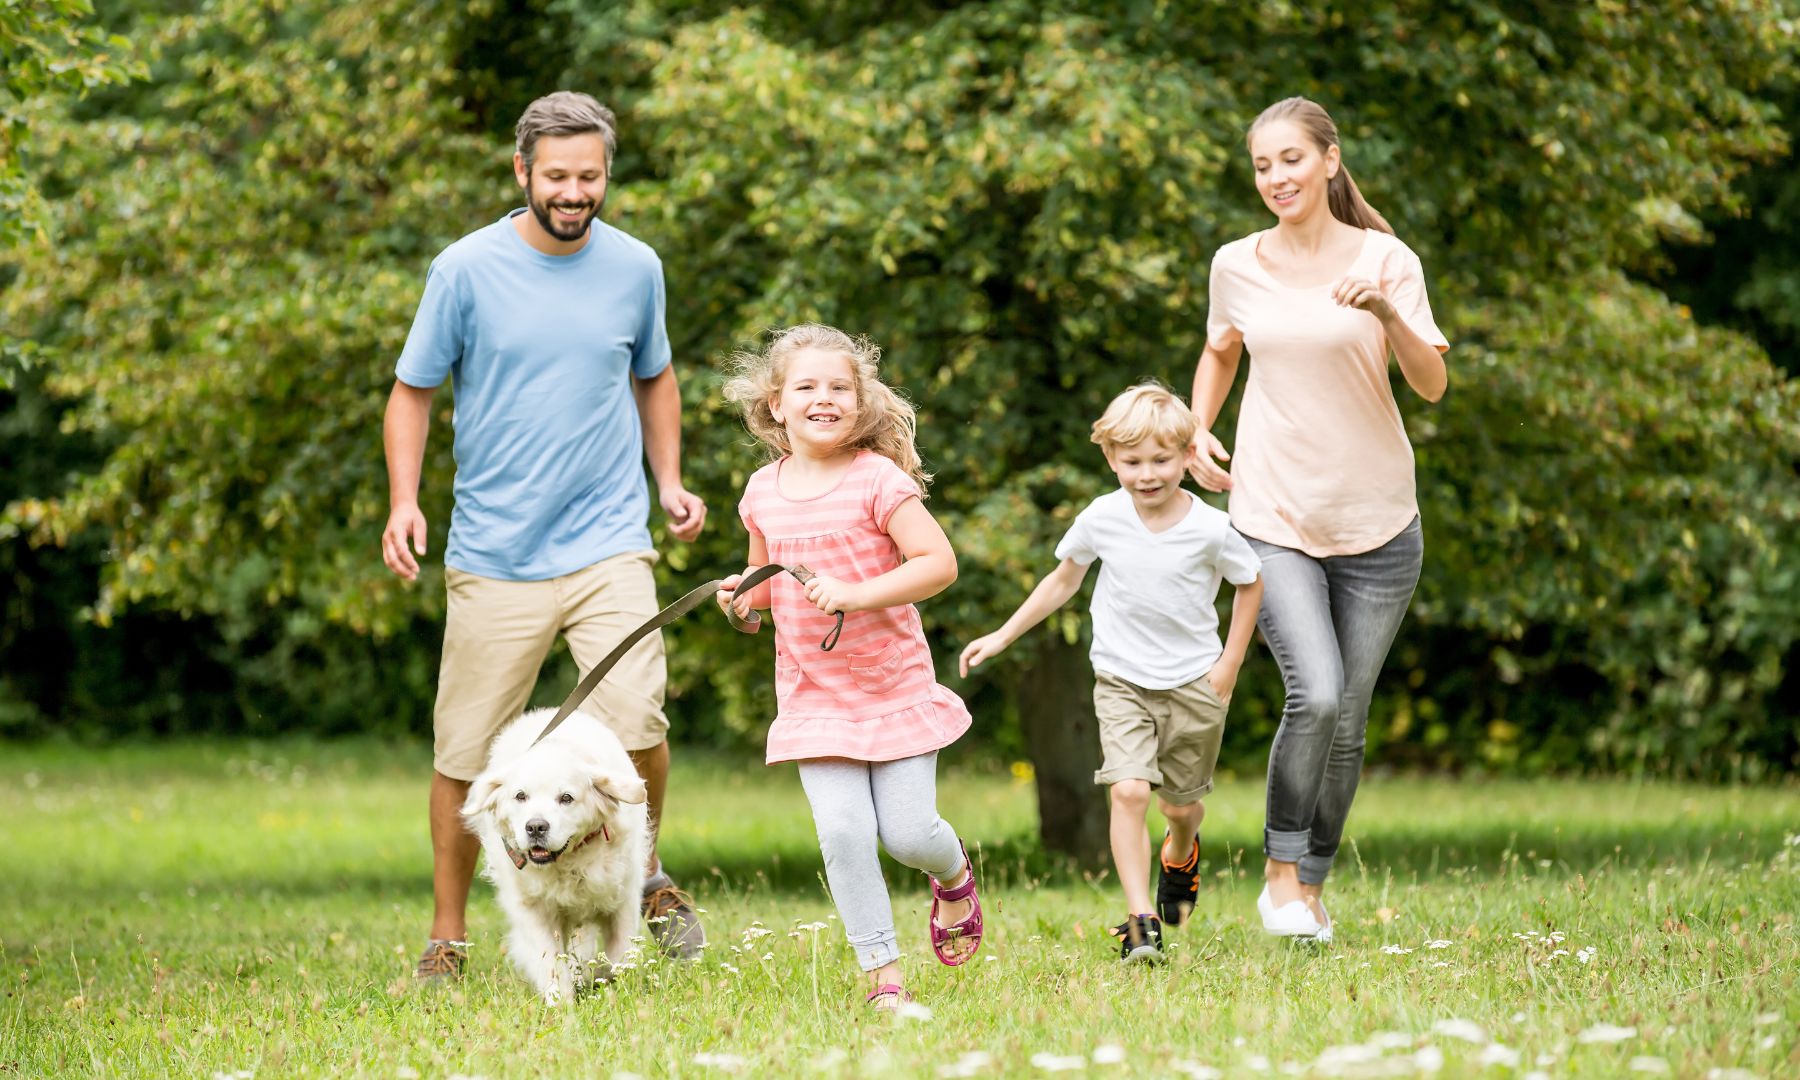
[1322, 485]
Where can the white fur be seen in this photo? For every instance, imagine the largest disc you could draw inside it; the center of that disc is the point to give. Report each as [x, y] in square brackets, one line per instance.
[571, 919]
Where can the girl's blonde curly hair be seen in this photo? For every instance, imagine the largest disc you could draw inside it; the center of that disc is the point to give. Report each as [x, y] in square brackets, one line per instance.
[885, 421]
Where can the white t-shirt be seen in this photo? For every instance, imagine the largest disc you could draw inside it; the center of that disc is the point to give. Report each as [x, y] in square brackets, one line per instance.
[1154, 620]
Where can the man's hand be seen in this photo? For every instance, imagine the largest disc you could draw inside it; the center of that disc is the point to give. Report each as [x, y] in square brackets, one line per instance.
[982, 648]
[405, 523]
[686, 512]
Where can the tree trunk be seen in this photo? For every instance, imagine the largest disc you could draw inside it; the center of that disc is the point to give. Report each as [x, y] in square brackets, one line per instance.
[1056, 713]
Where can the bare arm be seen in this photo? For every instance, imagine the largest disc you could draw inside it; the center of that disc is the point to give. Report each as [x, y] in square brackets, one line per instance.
[1050, 594]
[1246, 600]
[1420, 361]
[1213, 376]
[659, 407]
[929, 569]
[403, 432]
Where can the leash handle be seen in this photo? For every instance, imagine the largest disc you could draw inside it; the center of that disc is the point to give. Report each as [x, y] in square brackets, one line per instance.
[753, 622]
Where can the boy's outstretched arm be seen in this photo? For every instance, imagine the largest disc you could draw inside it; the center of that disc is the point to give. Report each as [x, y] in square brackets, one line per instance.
[1246, 600]
[1051, 593]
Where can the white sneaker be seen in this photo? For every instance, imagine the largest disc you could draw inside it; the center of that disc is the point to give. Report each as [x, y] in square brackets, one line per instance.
[1292, 919]
[1323, 937]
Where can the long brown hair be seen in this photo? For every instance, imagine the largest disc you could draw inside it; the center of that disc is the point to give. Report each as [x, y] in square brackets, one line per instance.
[1341, 194]
[885, 421]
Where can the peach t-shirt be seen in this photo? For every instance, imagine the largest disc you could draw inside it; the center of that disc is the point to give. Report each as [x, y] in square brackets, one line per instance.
[1322, 463]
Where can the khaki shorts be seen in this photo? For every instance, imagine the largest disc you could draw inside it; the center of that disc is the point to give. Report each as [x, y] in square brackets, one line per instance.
[497, 634]
[1169, 738]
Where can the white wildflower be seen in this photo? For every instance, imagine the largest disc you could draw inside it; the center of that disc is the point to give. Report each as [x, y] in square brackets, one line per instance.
[1466, 1030]
[727, 1062]
[969, 1064]
[1586, 955]
[830, 1059]
[1390, 1040]
[1109, 1055]
[1606, 1033]
[1496, 1054]
[1766, 1018]
[1649, 1065]
[1731, 1074]
[1395, 950]
[1256, 1063]
[912, 1010]
[1437, 944]
[1196, 1070]
[1429, 1059]
[1055, 1063]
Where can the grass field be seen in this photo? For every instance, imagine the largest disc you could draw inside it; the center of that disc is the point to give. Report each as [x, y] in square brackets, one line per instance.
[252, 909]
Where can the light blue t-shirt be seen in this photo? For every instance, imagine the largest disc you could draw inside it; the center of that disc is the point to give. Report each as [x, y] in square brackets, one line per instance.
[541, 348]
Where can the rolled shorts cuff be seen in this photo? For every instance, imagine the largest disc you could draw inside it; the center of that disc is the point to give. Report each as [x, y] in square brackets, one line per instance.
[1109, 777]
[1185, 798]
[1286, 846]
[1314, 869]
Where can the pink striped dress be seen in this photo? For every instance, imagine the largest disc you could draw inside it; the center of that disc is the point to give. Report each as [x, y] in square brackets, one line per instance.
[875, 697]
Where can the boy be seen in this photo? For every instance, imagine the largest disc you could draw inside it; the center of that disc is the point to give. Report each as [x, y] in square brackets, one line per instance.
[1161, 678]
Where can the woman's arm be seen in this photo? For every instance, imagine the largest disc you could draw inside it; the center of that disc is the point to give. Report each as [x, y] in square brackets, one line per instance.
[929, 568]
[1420, 361]
[1213, 376]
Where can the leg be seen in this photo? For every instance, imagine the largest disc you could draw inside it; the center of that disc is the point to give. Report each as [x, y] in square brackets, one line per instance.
[905, 795]
[496, 634]
[1190, 725]
[1131, 844]
[1296, 622]
[1369, 597]
[843, 807]
[653, 766]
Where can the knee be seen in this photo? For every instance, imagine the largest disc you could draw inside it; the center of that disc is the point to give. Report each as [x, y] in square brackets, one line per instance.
[844, 838]
[911, 843]
[1189, 815]
[1315, 705]
[1131, 796]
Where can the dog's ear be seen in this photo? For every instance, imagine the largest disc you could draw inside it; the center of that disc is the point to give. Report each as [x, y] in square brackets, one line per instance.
[625, 789]
[484, 795]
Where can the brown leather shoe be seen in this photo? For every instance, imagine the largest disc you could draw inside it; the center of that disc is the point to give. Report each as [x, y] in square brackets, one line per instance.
[674, 924]
[442, 961]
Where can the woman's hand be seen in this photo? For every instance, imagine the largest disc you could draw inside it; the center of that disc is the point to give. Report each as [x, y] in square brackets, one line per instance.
[832, 595]
[1201, 466]
[1363, 295]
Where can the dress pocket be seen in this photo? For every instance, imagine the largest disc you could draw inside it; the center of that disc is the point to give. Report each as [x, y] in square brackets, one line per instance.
[879, 671]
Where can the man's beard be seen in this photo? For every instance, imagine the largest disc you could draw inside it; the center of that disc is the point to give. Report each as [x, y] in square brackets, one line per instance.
[565, 233]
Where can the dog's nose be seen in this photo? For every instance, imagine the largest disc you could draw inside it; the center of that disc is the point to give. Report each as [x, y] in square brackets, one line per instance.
[537, 828]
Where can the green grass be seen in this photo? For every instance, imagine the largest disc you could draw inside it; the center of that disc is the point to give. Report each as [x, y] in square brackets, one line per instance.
[254, 908]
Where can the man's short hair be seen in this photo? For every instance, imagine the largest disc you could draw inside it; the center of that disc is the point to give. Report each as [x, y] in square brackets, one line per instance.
[1146, 411]
[565, 112]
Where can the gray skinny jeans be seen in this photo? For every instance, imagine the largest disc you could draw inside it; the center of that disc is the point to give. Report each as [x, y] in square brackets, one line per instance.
[855, 803]
[1330, 623]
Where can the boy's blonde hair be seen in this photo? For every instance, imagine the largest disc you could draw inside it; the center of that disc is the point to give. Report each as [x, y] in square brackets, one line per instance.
[1146, 411]
[885, 421]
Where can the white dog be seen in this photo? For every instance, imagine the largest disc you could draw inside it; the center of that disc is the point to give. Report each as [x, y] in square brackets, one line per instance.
[566, 832]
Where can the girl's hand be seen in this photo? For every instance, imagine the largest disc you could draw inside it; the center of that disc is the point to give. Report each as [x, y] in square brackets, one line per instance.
[1363, 295]
[831, 595]
[728, 598]
[1223, 676]
[982, 648]
[1201, 466]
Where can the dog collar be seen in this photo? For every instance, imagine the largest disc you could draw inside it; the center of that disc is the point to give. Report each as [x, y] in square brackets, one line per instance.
[519, 858]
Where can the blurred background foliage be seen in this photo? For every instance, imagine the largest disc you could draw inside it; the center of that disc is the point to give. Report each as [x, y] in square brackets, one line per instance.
[231, 219]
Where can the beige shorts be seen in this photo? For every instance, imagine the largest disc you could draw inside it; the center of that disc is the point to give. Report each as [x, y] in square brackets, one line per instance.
[1169, 738]
[497, 634]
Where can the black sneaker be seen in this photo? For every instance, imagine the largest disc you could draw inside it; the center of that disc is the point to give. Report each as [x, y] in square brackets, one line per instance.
[1177, 887]
[1140, 939]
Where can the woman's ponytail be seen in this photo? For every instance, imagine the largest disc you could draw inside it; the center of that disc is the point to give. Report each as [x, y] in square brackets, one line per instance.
[1348, 205]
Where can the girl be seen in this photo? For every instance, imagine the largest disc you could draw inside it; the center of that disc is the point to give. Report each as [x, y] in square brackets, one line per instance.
[866, 718]
[1323, 485]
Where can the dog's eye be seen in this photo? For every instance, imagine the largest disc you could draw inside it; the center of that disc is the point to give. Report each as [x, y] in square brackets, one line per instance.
[520, 797]
[565, 798]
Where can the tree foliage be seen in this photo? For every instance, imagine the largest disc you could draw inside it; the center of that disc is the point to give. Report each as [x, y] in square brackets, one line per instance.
[1019, 201]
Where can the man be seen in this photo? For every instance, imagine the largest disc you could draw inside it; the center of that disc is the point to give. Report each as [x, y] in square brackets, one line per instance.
[550, 323]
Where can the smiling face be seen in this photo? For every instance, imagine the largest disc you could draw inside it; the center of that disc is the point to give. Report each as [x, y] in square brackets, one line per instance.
[566, 184]
[1292, 173]
[1151, 471]
[817, 403]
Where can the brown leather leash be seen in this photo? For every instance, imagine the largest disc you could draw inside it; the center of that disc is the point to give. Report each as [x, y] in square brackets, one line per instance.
[687, 603]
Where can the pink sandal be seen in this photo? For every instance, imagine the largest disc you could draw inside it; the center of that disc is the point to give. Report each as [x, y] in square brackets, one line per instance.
[901, 997]
[968, 928]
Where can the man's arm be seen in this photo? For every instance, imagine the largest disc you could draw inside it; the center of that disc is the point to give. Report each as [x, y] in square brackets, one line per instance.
[659, 407]
[403, 432]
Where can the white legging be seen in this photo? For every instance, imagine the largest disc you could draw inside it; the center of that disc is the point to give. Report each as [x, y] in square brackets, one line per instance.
[855, 803]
